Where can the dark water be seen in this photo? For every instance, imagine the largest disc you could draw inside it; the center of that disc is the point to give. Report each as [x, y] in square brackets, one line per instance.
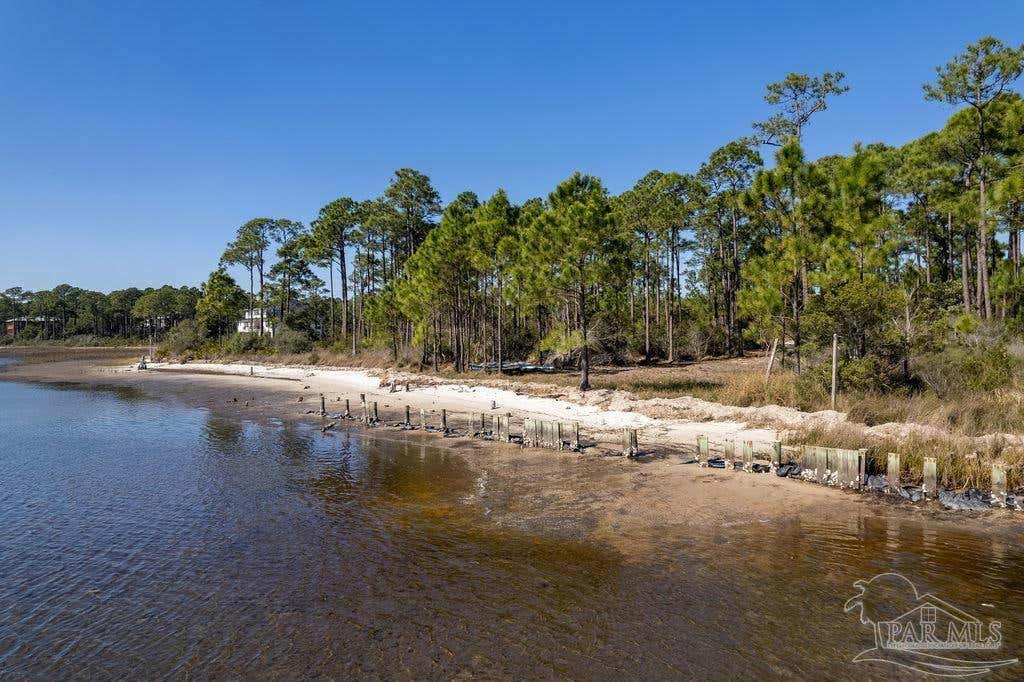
[142, 538]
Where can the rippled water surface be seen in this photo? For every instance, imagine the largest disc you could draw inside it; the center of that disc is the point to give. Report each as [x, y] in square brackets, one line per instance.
[146, 538]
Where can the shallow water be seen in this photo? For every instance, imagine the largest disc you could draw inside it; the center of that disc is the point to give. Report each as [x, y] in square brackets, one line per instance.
[141, 537]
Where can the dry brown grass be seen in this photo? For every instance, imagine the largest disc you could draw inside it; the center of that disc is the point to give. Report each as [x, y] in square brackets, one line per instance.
[961, 462]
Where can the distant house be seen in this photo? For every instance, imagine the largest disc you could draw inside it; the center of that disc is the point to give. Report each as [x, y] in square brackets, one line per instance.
[250, 322]
[17, 325]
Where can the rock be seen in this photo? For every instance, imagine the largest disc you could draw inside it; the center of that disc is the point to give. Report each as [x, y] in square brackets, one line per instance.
[972, 500]
[760, 468]
[716, 463]
[795, 471]
[877, 482]
[783, 470]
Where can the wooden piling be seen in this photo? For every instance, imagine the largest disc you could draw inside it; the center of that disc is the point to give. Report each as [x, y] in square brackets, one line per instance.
[576, 436]
[366, 413]
[423, 419]
[892, 470]
[444, 420]
[777, 452]
[748, 455]
[323, 405]
[771, 359]
[376, 417]
[835, 367]
[930, 474]
[703, 448]
[558, 437]
[630, 447]
[408, 421]
[999, 485]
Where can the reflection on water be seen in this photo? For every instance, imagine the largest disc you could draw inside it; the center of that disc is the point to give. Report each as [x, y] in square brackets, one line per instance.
[145, 538]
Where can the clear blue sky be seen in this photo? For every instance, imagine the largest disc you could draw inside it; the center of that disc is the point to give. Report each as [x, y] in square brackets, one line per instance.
[133, 140]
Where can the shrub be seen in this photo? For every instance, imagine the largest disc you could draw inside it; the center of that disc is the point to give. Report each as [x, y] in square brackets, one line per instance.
[185, 336]
[980, 367]
[287, 340]
[242, 343]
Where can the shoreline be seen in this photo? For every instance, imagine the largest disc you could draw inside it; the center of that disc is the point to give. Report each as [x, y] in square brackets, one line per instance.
[626, 499]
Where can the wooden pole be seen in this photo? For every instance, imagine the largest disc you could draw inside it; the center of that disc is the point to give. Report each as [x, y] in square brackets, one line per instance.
[835, 367]
[323, 405]
[348, 409]
[930, 477]
[444, 420]
[408, 421]
[771, 358]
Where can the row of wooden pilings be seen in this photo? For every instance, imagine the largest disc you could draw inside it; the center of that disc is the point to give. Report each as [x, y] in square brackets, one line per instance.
[536, 432]
[834, 466]
[839, 467]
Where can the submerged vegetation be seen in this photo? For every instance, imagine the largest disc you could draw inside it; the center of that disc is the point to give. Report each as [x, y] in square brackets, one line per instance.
[908, 255]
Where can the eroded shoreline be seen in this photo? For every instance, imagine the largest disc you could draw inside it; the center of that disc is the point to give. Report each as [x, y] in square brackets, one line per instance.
[625, 502]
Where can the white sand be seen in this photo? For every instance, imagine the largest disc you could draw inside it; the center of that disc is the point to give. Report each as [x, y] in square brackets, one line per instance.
[461, 397]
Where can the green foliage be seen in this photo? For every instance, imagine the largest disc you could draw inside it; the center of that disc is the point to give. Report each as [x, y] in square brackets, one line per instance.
[221, 304]
[187, 335]
[287, 340]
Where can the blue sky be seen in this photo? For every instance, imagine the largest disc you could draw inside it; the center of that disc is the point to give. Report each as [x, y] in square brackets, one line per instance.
[135, 137]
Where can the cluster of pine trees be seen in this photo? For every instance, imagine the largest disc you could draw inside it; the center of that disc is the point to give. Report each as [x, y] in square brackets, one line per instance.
[897, 250]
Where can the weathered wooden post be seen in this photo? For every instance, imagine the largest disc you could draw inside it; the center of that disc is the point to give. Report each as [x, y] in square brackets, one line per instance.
[576, 436]
[494, 405]
[748, 455]
[629, 443]
[483, 425]
[771, 359]
[835, 367]
[348, 409]
[821, 462]
[862, 467]
[507, 427]
[558, 436]
[408, 420]
[323, 405]
[892, 470]
[366, 413]
[930, 487]
[703, 448]
[999, 485]
[423, 419]
[444, 420]
[729, 451]
[376, 417]
[528, 431]
[777, 453]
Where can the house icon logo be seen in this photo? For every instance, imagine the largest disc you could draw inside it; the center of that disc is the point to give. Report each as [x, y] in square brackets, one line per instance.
[923, 632]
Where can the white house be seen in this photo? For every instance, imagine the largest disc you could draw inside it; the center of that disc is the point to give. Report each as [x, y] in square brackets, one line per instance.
[251, 322]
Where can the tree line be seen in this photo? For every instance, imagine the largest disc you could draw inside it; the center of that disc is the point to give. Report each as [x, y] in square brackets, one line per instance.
[66, 311]
[899, 250]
